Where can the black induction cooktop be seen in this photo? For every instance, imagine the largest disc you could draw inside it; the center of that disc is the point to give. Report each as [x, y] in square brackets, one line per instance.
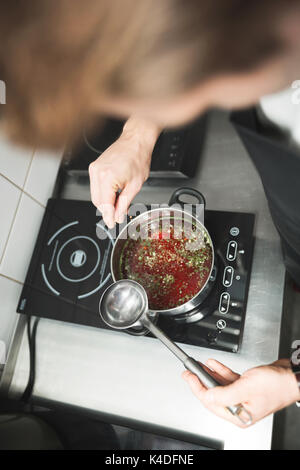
[176, 153]
[70, 269]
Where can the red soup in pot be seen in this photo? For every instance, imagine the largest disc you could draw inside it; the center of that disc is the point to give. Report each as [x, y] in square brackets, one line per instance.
[171, 265]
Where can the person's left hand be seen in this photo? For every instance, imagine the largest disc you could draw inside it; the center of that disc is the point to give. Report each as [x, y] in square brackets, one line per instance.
[262, 390]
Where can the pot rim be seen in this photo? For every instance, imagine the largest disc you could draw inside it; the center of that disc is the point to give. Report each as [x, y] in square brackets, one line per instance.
[181, 211]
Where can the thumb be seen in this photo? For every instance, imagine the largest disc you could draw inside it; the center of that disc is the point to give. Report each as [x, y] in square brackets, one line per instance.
[232, 394]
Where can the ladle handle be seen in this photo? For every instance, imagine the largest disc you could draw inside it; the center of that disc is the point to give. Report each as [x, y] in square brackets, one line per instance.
[176, 350]
[202, 372]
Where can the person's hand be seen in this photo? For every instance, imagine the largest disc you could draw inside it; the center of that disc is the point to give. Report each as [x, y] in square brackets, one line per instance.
[123, 166]
[262, 390]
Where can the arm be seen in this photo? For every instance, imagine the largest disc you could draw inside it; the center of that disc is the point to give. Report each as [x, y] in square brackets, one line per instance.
[262, 390]
[123, 166]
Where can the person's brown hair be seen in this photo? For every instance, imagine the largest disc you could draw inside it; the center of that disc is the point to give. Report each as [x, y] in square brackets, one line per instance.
[59, 57]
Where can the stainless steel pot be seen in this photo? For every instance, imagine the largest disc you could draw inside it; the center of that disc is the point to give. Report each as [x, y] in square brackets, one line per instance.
[170, 213]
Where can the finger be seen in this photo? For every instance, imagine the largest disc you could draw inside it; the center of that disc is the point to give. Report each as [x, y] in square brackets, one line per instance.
[103, 193]
[224, 371]
[108, 214]
[126, 196]
[219, 379]
[196, 386]
[236, 392]
[203, 395]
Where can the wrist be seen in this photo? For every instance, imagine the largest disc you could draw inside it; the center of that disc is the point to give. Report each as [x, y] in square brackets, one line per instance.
[296, 383]
[292, 386]
[141, 130]
[296, 371]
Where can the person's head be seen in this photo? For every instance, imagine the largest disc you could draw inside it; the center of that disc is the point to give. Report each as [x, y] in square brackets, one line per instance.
[168, 60]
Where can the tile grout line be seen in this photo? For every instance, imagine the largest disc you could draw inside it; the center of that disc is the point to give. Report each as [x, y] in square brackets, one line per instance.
[14, 218]
[12, 279]
[33, 198]
[28, 169]
[26, 176]
[11, 182]
[21, 188]
[22, 191]
[11, 227]
[18, 204]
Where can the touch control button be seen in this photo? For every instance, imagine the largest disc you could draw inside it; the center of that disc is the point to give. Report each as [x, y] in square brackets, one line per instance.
[231, 250]
[234, 231]
[221, 324]
[224, 302]
[228, 276]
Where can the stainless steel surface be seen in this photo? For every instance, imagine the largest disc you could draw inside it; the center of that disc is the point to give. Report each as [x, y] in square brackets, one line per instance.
[155, 216]
[123, 304]
[91, 369]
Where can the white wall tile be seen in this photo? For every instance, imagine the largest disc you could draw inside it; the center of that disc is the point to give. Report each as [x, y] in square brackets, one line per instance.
[14, 161]
[10, 292]
[22, 239]
[42, 175]
[9, 199]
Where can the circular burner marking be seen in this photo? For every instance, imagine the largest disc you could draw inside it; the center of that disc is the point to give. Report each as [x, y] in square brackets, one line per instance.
[74, 255]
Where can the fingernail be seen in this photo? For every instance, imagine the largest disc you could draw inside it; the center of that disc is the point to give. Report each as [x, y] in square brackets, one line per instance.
[109, 222]
[107, 211]
[110, 225]
[208, 363]
[120, 218]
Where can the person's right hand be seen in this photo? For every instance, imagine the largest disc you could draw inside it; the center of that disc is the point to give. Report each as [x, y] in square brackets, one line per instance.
[262, 390]
[123, 166]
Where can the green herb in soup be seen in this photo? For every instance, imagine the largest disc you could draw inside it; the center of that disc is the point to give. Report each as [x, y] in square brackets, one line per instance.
[171, 269]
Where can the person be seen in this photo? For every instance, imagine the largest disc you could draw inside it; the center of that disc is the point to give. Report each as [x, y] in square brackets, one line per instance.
[157, 64]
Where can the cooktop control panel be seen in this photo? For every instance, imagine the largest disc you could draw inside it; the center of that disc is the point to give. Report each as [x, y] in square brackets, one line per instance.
[218, 322]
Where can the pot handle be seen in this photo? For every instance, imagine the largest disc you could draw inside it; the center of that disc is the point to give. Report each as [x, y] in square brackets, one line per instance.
[175, 198]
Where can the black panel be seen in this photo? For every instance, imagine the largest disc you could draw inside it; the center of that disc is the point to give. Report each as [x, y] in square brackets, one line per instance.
[176, 153]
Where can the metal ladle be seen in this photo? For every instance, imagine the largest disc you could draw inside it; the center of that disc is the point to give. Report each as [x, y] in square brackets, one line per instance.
[124, 304]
